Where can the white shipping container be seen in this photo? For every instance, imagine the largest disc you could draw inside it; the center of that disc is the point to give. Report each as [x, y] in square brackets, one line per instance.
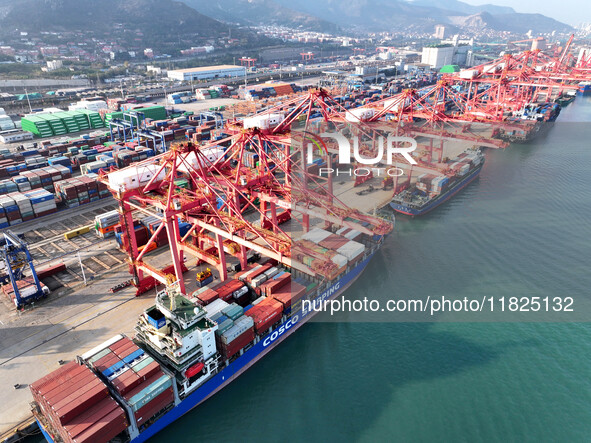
[271, 273]
[6, 201]
[468, 74]
[259, 280]
[107, 219]
[46, 204]
[263, 121]
[352, 249]
[258, 300]
[464, 169]
[395, 102]
[135, 176]
[190, 161]
[359, 115]
[240, 292]
[215, 307]
[316, 235]
[23, 187]
[352, 234]
[339, 260]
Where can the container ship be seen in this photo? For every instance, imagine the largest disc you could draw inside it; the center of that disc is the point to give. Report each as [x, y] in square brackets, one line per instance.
[188, 347]
[431, 190]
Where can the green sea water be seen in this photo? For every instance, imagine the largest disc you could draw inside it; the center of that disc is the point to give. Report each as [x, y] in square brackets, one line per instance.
[523, 228]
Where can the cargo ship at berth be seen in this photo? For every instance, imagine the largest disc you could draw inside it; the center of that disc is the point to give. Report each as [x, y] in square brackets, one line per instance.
[188, 347]
[430, 190]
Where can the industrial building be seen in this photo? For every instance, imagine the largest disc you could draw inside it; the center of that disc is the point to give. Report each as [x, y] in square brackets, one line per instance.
[437, 56]
[207, 72]
[15, 135]
[441, 32]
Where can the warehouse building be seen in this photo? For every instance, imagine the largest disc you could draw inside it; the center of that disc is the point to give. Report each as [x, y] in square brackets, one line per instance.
[207, 72]
[437, 56]
[14, 136]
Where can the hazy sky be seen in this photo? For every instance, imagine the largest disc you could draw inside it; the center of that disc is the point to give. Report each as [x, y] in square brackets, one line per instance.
[572, 12]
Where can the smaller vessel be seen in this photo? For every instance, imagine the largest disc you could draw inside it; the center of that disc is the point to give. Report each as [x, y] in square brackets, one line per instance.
[584, 87]
[566, 98]
[431, 190]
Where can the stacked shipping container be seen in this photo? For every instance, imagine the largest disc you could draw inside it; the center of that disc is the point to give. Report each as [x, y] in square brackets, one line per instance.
[78, 405]
[137, 378]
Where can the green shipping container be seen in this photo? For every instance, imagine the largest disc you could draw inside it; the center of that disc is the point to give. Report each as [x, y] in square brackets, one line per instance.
[148, 394]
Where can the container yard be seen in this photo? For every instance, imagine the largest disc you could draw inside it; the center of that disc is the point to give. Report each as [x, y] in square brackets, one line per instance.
[174, 246]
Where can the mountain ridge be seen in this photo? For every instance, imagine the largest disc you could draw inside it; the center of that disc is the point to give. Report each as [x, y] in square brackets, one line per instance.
[371, 15]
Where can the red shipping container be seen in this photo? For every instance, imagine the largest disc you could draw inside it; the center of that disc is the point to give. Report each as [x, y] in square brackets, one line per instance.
[207, 296]
[89, 417]
[59, 391]
[104, 359]
[272, 286]
[126, 381]
[230, 349]
[147, 411]
[64, 390]
[123, 342]
[333, 242]
[55, 398]
[265, 314]
[50, 270]
[80, 186]
[226, 296]
[104, 429]
[55, 387]
[149, 371]
[287, 296]
[44, 213]
[226, 289]
[59, 374]
[76, 403]
[270, 261]
[125, 350]
[13, 215]
[143, 385]
[241, 273]
[258, 272]
[106, 362]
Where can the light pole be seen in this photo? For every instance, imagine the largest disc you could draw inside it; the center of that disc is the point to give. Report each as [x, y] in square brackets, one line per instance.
[28, 101]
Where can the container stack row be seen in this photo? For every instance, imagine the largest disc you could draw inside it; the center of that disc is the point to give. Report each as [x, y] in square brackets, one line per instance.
[18, 207]
[78, 406]
[327, 253]
[61, 123]
[77, 191]
[266, 90]
[87, 159]
[138, 379]
[235, 330]
[104, 224]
